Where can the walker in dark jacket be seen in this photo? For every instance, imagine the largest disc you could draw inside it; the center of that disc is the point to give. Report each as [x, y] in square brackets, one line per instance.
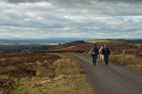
[95, 52]
[106, 53]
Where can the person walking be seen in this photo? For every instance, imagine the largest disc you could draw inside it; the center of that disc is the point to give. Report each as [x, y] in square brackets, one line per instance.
[106, 53]
[94, 52]
[100, 54]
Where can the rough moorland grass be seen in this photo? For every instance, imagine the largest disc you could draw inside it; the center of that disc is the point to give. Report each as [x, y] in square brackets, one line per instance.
[127, 60]
[68, 79]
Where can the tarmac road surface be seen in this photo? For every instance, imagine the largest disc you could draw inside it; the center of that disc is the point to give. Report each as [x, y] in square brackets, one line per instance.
[111, 79]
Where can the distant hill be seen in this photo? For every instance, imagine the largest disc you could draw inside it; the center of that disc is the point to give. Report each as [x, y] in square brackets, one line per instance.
[59, 40]
[51, 40]
[74, 43]
[116, 46]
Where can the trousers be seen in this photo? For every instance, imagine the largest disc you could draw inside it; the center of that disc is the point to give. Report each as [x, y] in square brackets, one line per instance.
[106, 59]
[94, 58]
[101, 57]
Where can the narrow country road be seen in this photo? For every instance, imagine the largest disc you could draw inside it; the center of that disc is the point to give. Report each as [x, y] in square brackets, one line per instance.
[112, 79]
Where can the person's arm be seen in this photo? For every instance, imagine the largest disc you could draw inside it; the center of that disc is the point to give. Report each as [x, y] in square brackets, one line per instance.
[91, 50]
[97, 51]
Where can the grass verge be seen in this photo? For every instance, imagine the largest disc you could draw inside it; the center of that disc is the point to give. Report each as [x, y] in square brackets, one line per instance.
[127, 60]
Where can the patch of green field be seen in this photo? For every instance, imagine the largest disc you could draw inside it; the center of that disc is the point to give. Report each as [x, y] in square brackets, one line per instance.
[20, 46]
[7, 44]
[103, 41]
[49, 43]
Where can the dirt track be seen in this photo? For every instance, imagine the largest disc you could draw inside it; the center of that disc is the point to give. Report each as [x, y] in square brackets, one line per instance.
[112, 79]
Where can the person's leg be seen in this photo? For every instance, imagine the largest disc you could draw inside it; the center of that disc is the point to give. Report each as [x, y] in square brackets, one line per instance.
[95, 59]
[102, 58]
[106, 59]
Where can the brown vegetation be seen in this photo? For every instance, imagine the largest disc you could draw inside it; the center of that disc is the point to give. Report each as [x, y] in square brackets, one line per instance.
[133, 48]
[41, 74]
[116, 47]
[16, 66]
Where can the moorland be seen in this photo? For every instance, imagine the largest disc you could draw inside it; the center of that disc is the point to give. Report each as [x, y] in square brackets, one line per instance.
[31, 69]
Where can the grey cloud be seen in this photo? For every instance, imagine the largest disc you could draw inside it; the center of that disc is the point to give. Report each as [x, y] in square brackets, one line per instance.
[22, 1]
[96, 7]
[79, 18]
[76, 1]
[123, 1]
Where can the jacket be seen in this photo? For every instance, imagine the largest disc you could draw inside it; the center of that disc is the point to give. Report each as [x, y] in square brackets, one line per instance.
[94, 50]
[106, 51]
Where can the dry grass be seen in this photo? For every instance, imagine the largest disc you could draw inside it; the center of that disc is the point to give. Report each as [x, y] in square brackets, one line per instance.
[60, 76]
[128, 60]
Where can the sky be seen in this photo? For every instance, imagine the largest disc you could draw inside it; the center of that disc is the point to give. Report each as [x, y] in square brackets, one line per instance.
[41, 19]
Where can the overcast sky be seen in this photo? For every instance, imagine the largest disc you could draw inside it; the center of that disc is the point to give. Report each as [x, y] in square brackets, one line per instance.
[37, 19]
